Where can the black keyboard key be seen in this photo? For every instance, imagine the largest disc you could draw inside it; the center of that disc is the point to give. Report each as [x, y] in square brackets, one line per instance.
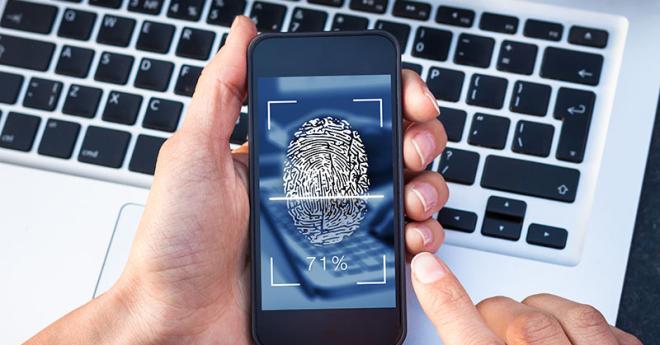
[574, 108]
[504, 218]
[268, 17]
[105, 147]
[195, 43]
[487, 91]
[223, 12]
[411, 9]
[306, 20]
[501, 228]
[543, 30]
[571, 66]
[145, 154]
[122, 107]
[455, 16]
[42, 94]
[412, 66]
[547, 236]
[162, 115]
[19, 131]
[116, 31]
[145, 6]
[489, 131]
[453, 219]
[373, 6]
[530, 178]
[185, 84]
[106, 3]
[155, 37]
[25, 53]
[459, 166]
[400, 32]
[498, 23]
[28, 16]
[223, 40]
[240, 132]
[345, 22]
[533, 138]
[77, 24]
[431, 44]
[10, 86]
[185, 9]
[454, 121]
[516, 57]
[114, 68]
[588, 37]
[82, 101]
[333, 3]
[473, 50]
[74, 61]
[59, 138]
[154, 74]
[445, 84]
[506, 208]
[530, 98]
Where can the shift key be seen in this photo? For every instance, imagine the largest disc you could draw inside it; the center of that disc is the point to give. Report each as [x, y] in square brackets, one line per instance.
[530, 178]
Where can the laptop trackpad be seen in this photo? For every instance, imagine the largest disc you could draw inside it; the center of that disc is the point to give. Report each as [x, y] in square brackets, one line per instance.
[120, 245]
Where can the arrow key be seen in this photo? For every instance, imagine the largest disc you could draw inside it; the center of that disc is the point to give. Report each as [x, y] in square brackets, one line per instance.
[547, 236]
[453, 219]
[501, 228]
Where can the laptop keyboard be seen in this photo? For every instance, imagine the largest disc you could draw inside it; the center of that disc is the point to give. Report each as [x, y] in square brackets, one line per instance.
[94, 87]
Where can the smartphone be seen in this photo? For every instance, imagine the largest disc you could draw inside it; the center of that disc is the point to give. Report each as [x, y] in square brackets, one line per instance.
[326, 186]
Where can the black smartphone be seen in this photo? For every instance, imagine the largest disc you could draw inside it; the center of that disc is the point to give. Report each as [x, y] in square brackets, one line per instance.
[326, 186]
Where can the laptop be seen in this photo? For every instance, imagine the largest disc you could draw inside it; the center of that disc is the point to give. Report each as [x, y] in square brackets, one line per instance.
[548, 105]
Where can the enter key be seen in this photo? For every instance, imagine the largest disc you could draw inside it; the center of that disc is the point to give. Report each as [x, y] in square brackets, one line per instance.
[575, 108]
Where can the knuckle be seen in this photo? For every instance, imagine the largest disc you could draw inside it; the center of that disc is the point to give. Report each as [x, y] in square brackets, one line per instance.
[629, 339]
[534, 327]
[492, 301]
[535, 298]
[585, 316]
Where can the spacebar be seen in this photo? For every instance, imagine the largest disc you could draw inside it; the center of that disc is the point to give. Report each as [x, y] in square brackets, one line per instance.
[530, 178]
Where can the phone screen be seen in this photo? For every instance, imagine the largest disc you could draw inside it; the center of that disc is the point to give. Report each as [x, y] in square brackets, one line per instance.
[326, 190]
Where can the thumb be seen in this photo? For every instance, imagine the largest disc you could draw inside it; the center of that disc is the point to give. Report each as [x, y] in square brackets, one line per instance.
[446, 303]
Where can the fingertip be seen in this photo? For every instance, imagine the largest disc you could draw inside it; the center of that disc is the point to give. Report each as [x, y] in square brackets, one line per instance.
[419, 104]
[427, 268]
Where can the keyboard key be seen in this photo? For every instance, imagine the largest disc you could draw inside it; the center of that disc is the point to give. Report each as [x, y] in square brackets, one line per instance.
[411, 9]
[333, 3]
[516, 57]
[106, 3]
[145, 154]
[412, 66]
[453, 219]
[373, 6]
[459, 166]
[74, 61]
[59, 138]
[473, 50]
[114, 68]
[498, 23]
[431, 44]
[185, 9]
[345, 22]
[122, 108]
[82, 101]
[77, 24]
[400, 31]
[116, 31]
[42, 94]
[155, 37]
[504, 218]
[455, 16]
[240, 132]
[19, 131]
[154, 74]
[10, 86]
[571, 66]
[501, 228]
[25, 53]
[28, 16]
[454, 121]
[162, 115]
[305, 20]
[547, 236]
[588, 37]
[530, 98]
[223, 12]
[487, 91]
[185, 84]
[489, 131]
[195, 43]
[533, 138]
[574, 108]
[505, 207]
[445, 84]
[145, 6]
[103, 146]
[530, 178]
[268, 17]
[543, 30]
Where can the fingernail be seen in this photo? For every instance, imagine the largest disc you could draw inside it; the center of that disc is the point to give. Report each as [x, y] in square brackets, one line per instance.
[427, 269]
[424, 145]
[426, 194]
[424, 233]
[431, 97]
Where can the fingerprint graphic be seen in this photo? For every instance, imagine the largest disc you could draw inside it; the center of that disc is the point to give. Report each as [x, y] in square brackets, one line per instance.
[324, 175]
